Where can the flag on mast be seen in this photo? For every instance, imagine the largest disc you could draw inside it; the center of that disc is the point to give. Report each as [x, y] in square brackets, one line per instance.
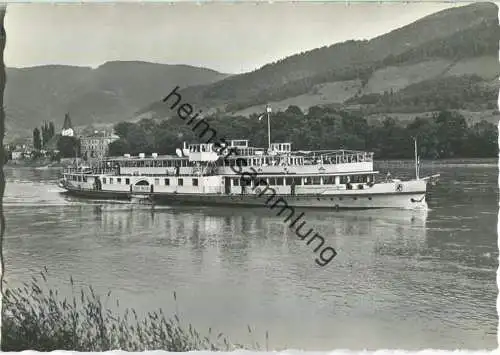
[268, 110]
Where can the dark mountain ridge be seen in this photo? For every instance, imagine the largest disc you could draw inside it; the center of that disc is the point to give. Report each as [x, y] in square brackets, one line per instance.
[112, 92]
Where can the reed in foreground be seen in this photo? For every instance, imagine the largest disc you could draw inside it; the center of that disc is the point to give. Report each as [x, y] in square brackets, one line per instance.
[36, 318]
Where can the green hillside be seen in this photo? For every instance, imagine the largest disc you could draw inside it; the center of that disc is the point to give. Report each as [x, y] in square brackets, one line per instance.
[452, 37]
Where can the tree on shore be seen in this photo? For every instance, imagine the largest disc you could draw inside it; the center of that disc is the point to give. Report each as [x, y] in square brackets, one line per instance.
[52, 130]
[69, 147]
[47, 132]
[37, 141]
[119, 147]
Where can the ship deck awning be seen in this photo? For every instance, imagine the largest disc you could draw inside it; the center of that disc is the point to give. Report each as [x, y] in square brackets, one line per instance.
[145, 158]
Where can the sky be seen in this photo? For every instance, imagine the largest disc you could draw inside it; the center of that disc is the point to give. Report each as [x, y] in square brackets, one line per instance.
[227, 37]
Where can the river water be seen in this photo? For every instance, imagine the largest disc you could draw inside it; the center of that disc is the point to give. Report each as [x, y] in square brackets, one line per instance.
[401, 279]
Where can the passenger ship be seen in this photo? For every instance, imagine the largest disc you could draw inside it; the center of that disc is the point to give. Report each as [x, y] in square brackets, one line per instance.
[239, 174]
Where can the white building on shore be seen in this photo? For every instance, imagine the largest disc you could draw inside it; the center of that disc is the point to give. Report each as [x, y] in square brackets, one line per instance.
[67, 130]
[96, 146]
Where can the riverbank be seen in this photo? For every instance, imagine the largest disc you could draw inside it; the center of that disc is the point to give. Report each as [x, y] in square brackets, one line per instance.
[383, 164]
[39, 163]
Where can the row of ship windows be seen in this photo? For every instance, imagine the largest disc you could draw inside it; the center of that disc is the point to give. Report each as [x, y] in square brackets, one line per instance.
[78, 178]
[310, 180]
[118, 181]
[166, 182]
[272, 181]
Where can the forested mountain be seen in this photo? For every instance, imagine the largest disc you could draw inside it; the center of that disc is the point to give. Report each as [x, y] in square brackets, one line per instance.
[444, 135]
[446, 50]
[112, 92]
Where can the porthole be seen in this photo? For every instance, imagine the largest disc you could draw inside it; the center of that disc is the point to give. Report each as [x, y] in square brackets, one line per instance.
[370, 198]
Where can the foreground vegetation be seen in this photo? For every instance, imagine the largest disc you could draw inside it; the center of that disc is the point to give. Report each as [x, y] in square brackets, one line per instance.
[34, 317]
[445, 135]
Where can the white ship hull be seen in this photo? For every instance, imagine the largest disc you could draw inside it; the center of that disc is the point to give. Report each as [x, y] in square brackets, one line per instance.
[381, 195]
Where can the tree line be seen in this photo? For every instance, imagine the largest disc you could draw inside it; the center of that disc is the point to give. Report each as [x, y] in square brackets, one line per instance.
[66, 147]
[42, 136]
[444, 135]
[466, 92]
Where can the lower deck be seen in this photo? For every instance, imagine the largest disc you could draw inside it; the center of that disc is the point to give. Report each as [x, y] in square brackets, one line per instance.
[404, 200]
[324, 191]
[239, 185]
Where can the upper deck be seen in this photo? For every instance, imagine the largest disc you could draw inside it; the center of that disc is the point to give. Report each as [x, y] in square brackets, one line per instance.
[279, 159]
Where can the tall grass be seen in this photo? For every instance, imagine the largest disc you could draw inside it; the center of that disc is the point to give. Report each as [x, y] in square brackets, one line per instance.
[35, 317]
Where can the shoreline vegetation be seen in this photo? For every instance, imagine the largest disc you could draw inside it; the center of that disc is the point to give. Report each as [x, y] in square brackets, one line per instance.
[45, 163]
[445, 135]
[35, 317]
[33, 164]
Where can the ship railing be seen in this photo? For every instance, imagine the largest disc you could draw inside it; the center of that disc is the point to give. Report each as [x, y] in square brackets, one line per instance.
[319, 157]
[79, 170]
[338, 156]
[333, 157]
[107, 171]
[94, 170]
[315, 153]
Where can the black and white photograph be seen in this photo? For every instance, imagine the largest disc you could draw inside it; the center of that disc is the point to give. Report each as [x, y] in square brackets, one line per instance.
[261, 176]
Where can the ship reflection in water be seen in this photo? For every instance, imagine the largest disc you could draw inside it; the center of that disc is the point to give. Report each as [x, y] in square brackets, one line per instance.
[214, 227]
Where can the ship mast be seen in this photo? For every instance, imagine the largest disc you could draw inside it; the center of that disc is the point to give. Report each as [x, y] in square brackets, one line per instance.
[268, 110]
[416, 158]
